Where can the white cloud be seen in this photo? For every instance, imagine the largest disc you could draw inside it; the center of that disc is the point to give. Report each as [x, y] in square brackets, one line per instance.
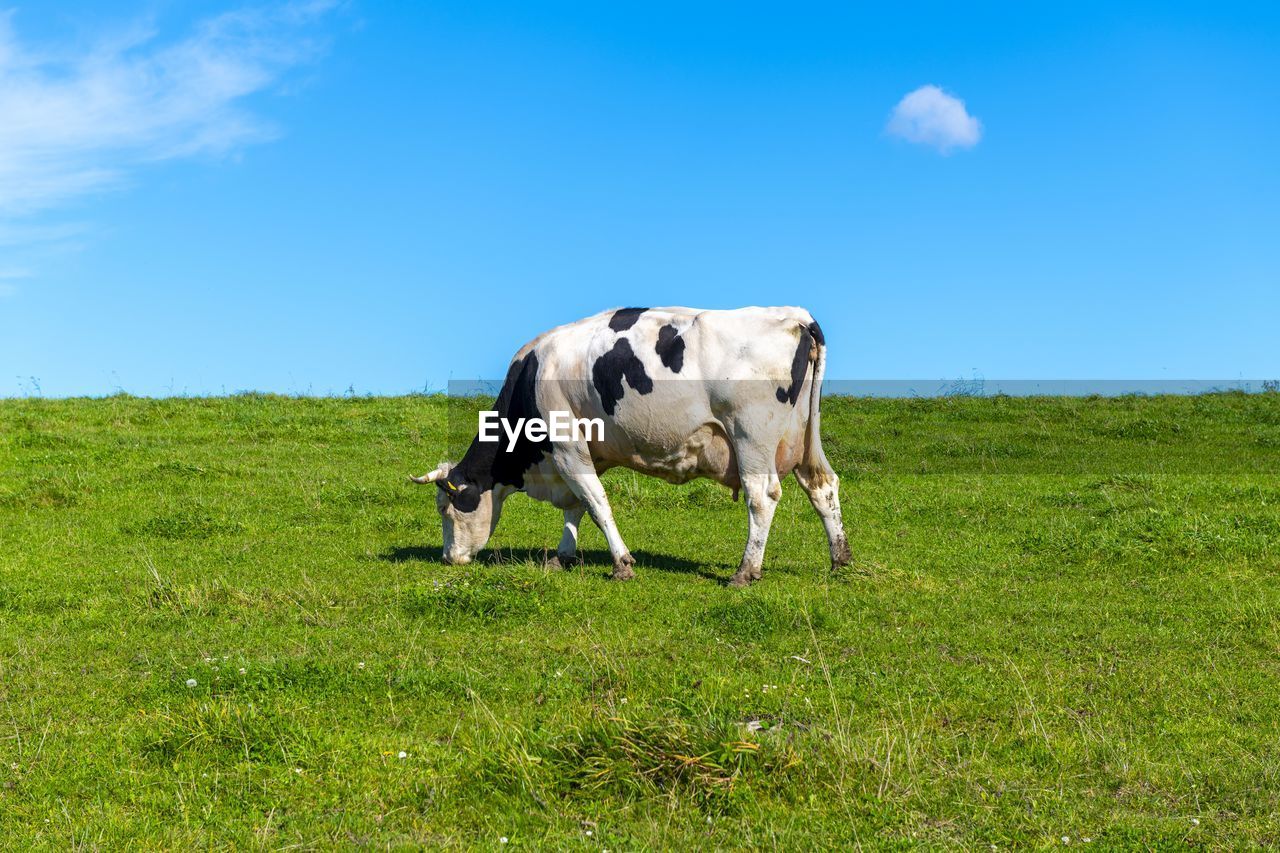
[929, 116]
[78, 121]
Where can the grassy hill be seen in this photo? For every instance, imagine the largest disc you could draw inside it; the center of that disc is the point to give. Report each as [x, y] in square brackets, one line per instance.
[223, 622]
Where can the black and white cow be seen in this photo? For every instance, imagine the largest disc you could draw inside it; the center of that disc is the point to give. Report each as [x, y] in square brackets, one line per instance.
[728, 395]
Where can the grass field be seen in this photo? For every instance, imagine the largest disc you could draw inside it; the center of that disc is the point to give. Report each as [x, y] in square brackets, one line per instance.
[224, 622]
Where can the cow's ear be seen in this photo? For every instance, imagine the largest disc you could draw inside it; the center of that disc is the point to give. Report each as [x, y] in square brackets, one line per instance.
[466, 499]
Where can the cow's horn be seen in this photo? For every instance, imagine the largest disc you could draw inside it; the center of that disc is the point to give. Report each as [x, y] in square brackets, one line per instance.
[431, 477]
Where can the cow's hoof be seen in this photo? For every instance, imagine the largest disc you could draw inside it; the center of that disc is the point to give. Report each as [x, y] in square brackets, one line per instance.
[562, 561]
[739, 581]
[622, 568]
[841, 556]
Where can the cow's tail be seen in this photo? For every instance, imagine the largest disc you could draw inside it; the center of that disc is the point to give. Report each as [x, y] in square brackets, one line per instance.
[815, 461]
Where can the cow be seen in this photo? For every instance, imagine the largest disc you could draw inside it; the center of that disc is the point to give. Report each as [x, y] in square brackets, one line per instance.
[732, 396]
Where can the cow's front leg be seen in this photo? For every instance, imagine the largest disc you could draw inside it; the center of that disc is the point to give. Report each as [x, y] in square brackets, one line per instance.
[579, 472]
[567, 550]
[762, 494]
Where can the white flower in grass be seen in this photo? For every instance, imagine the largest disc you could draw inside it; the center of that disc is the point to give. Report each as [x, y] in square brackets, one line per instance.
[1066, 839]
[360, 665]
[191, 682]
[242, 670]
[403, 754]
[1195, 821]
[502, 840]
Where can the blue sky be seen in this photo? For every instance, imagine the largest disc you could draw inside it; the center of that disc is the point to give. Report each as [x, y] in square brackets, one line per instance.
[308, 197]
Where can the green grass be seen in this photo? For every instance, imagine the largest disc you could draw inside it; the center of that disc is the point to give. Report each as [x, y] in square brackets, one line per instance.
[1063, 620]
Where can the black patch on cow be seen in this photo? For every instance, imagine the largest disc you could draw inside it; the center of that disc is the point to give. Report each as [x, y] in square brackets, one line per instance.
[799, 364]
[611, 368]
[816, 331]
[670, 348]
[487, 463]
[625, 318]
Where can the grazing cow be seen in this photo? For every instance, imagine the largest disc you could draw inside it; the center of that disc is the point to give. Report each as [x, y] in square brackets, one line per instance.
[728, 395]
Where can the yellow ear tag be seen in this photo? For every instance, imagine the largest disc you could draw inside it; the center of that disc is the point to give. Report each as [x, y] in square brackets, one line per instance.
[450, 486]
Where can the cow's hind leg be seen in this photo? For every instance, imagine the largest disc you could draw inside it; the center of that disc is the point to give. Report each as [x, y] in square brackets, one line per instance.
[762, 490]
[822, 486]
[579, 472]
[567, 551]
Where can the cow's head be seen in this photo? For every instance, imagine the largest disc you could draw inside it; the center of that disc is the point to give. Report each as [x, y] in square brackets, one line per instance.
[468, 514]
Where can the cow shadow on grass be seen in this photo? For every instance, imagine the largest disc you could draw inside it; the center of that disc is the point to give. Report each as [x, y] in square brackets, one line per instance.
[413, 554]
[644, 560]
[591, 558]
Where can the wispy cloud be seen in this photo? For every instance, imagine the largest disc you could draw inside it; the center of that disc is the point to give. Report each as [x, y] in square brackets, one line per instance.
[8, 275]
[929, 116]
[80, 121]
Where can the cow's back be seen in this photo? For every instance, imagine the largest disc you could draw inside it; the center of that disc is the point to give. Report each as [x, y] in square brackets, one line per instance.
[676, 343]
